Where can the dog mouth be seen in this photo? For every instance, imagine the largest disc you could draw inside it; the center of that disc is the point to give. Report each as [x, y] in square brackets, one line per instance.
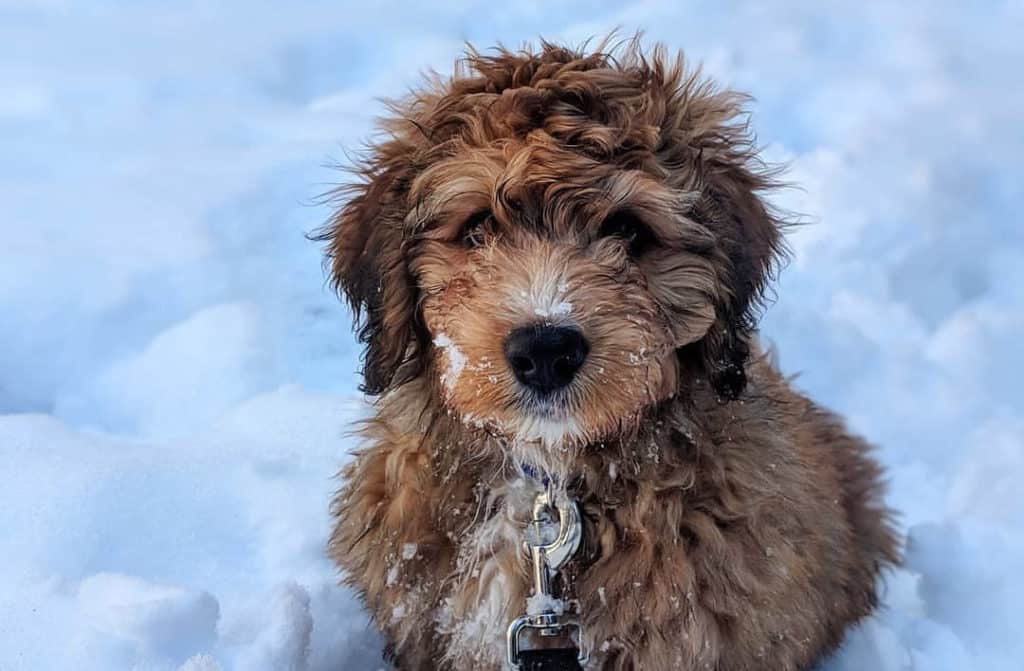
[551, 418]
[557, 405]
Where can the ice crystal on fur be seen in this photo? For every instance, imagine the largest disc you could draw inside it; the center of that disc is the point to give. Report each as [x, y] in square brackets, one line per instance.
[456, 360]
[544, 603]
[559, 310]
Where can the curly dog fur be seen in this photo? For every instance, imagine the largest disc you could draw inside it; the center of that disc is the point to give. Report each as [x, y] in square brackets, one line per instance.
[730, 523]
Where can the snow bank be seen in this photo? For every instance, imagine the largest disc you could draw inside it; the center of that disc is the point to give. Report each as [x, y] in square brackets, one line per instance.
[175, 382]
[145, 554]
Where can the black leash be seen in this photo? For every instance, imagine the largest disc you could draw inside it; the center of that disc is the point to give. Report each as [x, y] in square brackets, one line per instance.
[550, 660]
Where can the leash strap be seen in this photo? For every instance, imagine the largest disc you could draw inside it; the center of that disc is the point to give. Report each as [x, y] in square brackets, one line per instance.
[549, 660]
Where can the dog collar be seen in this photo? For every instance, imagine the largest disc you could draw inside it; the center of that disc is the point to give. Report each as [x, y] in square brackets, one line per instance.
[531, 472]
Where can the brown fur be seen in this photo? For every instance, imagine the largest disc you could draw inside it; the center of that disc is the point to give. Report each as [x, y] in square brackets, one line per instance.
[730, 522]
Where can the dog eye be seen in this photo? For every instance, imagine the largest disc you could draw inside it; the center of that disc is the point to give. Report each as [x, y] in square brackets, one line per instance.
[475, 230]
[628, 227]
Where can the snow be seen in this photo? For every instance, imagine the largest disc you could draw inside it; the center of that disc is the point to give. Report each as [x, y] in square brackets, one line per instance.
[176, 382]
[456, 360]
[544, 603]
[561, 309]
[409, 551]
[158, 617]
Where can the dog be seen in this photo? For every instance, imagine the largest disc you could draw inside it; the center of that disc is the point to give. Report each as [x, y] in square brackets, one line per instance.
[557, 258]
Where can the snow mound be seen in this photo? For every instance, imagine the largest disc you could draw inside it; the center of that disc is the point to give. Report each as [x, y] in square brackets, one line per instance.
[158, 619]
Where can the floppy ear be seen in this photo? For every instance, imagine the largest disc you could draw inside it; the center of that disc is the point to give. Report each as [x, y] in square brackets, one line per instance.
[750, 241]
[706, 147]
[368, 264]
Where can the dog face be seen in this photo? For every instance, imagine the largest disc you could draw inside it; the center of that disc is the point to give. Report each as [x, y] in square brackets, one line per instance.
[550, 287]
[557, 242]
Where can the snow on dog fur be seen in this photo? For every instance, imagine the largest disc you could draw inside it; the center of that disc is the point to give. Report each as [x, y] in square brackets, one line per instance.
[558, 257]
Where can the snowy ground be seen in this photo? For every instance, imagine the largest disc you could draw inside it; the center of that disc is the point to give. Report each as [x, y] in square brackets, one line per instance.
[175, 381]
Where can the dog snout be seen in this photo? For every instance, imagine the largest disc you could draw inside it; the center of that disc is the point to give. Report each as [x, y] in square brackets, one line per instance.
[545, 358]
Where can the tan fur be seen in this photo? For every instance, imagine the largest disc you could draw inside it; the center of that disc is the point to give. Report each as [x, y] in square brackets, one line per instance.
[730, 522]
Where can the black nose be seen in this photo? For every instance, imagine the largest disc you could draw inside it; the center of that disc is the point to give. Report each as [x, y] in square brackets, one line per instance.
[545, 358]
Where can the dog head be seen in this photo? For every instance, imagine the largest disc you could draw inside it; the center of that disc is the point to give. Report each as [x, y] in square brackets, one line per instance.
[557, 241]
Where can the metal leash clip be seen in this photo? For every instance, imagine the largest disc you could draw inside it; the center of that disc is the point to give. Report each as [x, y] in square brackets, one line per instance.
[552, 537]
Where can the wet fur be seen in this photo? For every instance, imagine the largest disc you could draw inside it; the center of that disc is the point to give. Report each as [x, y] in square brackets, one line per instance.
[731, 523]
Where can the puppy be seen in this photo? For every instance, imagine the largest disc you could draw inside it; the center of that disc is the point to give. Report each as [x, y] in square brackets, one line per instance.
[557, 258]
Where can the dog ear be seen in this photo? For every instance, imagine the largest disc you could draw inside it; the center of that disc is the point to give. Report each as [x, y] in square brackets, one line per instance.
[750, 241]
[707, 145]
[367, 257]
